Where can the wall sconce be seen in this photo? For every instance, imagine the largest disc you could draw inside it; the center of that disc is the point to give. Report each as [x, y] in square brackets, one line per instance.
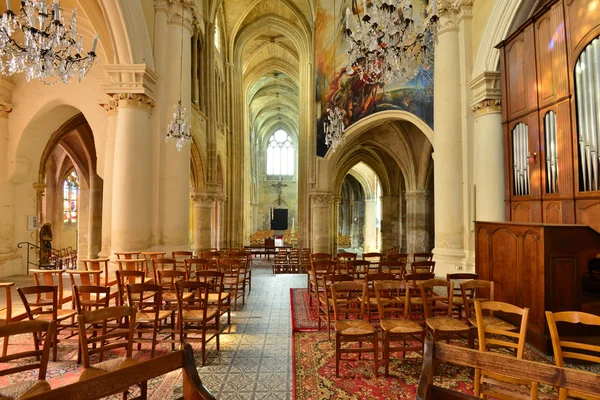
[531, 157]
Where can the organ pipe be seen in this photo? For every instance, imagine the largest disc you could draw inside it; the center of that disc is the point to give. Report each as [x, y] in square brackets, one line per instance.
[520, 163]
[551, 152]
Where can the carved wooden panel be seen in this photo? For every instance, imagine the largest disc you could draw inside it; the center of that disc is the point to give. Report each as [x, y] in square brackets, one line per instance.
[552, 214]
[583, 17]
[521, 212]
[587, 212]
[521, 77]
[531, 293]
[562, 284]
[504, 264]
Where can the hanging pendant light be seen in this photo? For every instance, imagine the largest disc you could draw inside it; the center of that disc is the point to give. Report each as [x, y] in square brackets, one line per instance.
[179, 129]
[334, 123]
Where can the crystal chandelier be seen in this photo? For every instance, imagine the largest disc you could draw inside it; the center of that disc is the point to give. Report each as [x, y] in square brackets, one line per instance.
[391, 41]
[334, 123]
[334, 127]
[179, 128]
[36, 41]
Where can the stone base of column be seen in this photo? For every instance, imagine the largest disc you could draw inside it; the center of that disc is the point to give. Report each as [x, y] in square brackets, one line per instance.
[11, 264]
[446, 261]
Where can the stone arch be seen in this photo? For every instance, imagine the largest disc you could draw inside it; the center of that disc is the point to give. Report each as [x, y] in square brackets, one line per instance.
[197, 176]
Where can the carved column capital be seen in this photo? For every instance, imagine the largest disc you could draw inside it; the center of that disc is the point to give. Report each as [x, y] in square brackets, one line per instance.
[203, 198]
[40, 188]
[138, 100]
[130, 79]
[417, 195]
[486, 93]
[161, 6]
[190, 15]
[110, 104]
[321, 199]
[488, 106]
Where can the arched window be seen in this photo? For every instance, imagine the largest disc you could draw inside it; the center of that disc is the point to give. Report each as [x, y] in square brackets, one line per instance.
[217, 37]
[280, 154]
[70, 193]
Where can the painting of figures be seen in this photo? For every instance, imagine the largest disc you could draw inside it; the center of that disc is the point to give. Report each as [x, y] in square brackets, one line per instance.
[340, 85]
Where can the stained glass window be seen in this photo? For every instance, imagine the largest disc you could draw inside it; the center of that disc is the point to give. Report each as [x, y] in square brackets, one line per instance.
[280, 154]
[70, 193]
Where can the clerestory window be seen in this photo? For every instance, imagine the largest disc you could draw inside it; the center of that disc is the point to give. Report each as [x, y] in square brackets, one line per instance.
[280, 154]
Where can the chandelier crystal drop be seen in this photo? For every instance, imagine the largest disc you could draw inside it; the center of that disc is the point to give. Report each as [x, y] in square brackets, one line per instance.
[334, 127]
[179, 128]
[391, 42]
[37, 42]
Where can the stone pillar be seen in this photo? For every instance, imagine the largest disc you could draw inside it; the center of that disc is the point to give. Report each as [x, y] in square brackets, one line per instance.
[107, 176]
[448, 155]
[132, 178]
[220, 231]
[7, 201]
[489, 148]
[370, 226]
[418, 238]
[390, 234]
[95, 216]
[174, 213]
[203, 207]
[335, 222]
[357, 227]
[320, 214]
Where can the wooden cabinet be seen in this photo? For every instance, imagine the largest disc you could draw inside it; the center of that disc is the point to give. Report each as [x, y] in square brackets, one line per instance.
[537, 64]
[539, 266]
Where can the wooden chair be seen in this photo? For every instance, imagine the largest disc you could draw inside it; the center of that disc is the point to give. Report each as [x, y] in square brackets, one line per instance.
[294, 262]
[167, 280]
[81, 277]
[397, 268]
[127, 255]
[99, 264]
[135, 264]
[370, 300]
[403, 257]
[180, 256]
[26, 388]
[46, 308]
[165, 264]
[347, 304]
[422, 257]
[418, 267]
[374, 260]
[318, 269]
[437, 306]
[96, 337]
[280, 263]
[458, 278]
[393, 300]
[148, 300]
[51, 277]
[567, 378]
[234, 280]
[342, 262]
[90, 297]
[193, 311]
[153, 255]
[482, 290]
[489, 382]
[193, 265]
[358, 268]
[6, 312]
[217, 297]
[325, 305]
[573, 348]
[125, 277]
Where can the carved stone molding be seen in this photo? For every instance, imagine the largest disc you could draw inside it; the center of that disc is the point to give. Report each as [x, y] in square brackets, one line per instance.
[161, 5]
[203, 198]
[417, 195]
[109, 104]
[487, 107]
[191, 18]
[130, 78]
[134, 100]
[321, 199]
[40, 188]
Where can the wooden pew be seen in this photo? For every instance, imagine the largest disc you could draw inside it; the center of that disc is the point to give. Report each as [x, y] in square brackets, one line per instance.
[120, 380]
[528, 370]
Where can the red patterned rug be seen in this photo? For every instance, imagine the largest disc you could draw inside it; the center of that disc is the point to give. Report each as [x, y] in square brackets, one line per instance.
[314, 377]
[66, 370]
[304, 318]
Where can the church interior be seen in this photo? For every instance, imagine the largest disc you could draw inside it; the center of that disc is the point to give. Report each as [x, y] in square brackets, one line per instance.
[300, 199]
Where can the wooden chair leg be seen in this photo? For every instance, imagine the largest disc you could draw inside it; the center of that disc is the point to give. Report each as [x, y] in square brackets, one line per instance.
[386, 353]
[154, 334]
[376, 353]
[4, 346]
[337, 355]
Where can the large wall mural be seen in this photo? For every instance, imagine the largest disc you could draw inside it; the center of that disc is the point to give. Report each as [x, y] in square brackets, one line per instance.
[335, 87]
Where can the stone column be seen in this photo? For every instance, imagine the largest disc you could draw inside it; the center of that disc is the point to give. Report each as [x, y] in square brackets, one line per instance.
[95, 216]
[107, 200]
[370, 226]
[448, 155]
[417, 222]
[132, 178]
[489, 148]
[357, 227]
[390, 234]
[7, 201]
[203, 206]
[220, 231]
[335, 222]
[320, 214]
[174, 213]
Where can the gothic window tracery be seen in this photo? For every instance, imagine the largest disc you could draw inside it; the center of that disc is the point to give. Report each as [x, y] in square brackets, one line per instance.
[280, 154]
[70, 197]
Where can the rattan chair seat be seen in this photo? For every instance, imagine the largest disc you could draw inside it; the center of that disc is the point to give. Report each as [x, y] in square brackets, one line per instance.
[354, 327]
[446, 324]
[400, 326]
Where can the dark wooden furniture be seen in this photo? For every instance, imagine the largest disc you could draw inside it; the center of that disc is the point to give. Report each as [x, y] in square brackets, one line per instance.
[537, 65]
[509, 366]
[536, 266]
[118, 381]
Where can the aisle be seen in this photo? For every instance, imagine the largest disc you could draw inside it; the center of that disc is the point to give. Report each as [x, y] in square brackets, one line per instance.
[255, 361]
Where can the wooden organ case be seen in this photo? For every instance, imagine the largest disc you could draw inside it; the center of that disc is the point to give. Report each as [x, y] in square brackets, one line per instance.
[550, 70]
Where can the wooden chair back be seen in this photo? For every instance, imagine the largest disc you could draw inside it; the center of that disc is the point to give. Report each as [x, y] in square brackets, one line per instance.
[146, 297]
[458, 278]
[492, 335]
[164, 264]
[397, 268]
[374, 259]
[398, 257]
[416, 279]
[193, 265]
[393, 299]
[85, 277]
[45, 304]
[167, 279]
[422, 266]
[197, 302]
[328, 280]
[125, 277]
[180, 256]
[347, 299]
[476, 289]
[98, 264]
[47, 277]
[47, 329]
[89, 297]
[127, 255]
[153, 255]
[422, 257]
[134, 264]
[437, 302]
[102, 338]
[214, 279]
[358, 268]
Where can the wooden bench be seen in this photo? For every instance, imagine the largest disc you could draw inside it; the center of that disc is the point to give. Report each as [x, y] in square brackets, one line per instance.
[119, 380]
[509, 366]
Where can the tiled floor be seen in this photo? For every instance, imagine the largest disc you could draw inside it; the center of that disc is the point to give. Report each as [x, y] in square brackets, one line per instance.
[255, 361]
